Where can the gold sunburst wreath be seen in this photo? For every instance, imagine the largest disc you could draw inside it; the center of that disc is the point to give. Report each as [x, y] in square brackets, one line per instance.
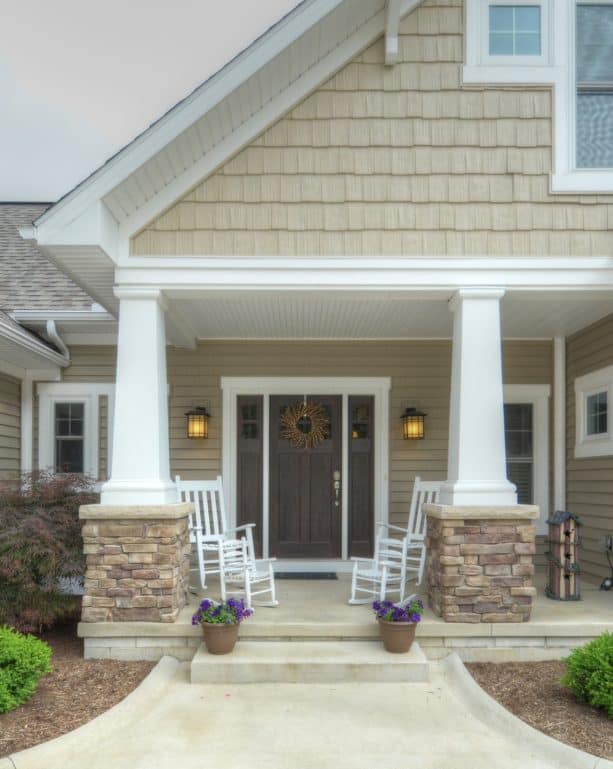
[305, 425]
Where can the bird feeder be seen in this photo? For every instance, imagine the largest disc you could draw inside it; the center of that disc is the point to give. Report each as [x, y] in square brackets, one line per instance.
[563, 557]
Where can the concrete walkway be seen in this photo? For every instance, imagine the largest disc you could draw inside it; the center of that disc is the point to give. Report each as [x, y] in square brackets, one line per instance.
[168, 723]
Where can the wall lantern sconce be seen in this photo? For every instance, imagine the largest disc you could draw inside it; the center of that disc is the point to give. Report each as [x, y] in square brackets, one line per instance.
[413, 424]
[198, 422]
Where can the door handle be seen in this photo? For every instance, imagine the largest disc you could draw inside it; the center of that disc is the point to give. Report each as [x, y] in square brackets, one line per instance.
[337, 486]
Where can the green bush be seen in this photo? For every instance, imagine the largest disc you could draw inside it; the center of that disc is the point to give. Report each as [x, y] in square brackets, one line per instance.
[589, 673]
[40, 543]
[24, 659]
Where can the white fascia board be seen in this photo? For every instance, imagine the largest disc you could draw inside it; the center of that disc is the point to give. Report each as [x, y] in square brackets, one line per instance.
[184, 114]
[256, 125]
[363, 273]
[51, 374]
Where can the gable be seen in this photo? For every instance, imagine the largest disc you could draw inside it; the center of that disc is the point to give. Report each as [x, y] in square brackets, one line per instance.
[400, 160]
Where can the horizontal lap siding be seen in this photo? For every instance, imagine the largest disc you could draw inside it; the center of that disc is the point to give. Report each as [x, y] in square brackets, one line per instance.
[589, 481]
[394, 160]
[420, 372]
[10, 427]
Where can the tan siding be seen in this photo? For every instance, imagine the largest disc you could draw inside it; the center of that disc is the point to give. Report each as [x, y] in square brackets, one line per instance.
[420, 372]
[10, 427]
[589, 481]
[394, 160]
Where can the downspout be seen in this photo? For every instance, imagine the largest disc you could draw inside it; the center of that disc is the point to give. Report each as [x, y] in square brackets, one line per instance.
[54, 337]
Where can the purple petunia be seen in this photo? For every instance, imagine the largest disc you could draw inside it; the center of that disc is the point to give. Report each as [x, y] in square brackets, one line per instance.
[231, 612]
[391, 612]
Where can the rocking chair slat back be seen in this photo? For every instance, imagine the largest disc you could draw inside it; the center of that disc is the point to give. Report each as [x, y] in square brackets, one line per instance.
[209, 508]
[424, 493]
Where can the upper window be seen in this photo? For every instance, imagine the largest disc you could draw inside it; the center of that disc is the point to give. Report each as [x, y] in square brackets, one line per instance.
[593, 393]
[514, 30]
[594, 73]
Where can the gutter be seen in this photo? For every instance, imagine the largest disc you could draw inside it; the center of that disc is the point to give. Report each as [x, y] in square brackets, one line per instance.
[24, 339]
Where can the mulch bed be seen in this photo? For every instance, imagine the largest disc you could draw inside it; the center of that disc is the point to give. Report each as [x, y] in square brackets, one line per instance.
[532, 691]
[77, 691]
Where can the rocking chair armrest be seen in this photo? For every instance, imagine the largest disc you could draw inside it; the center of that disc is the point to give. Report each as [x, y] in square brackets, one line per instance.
[396, 528]
[242, 527]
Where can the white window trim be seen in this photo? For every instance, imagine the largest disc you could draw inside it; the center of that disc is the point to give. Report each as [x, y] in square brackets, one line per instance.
[71, 392]
[379, 387]
[557, 70]
[586, 385]
[538, 396]
[489, 60]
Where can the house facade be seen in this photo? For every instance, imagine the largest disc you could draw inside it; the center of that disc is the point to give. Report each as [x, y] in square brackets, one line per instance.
[378, 206]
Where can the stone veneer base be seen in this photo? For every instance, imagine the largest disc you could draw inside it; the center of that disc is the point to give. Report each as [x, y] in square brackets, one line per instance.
[137, 562]
[481, 562]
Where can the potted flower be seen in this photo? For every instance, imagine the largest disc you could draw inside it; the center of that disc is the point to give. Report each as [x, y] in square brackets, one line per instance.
[219, 622]
[398, 623]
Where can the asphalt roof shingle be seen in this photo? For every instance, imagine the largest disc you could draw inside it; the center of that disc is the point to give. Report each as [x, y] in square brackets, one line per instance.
[28, 280]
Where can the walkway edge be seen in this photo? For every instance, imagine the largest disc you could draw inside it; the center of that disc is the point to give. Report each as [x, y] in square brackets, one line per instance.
[150, 688]
[491, 712]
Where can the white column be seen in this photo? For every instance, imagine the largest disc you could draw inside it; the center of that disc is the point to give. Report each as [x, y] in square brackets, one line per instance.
[140, 468]
[476, 468]
[559, 423]
[27, 410]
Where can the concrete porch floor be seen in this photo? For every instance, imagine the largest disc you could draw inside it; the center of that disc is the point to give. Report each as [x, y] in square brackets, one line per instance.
[318, 610]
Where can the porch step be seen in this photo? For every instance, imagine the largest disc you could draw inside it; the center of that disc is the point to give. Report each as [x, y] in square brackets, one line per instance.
[309, 662]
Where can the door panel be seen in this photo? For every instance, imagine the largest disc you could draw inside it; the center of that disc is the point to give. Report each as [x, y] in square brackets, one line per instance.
[305, 521]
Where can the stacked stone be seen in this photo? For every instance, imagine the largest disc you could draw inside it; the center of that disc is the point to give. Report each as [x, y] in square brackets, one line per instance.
[137, 564]
[480, 567]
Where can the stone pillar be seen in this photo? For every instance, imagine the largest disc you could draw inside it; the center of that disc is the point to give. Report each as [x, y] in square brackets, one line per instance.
[137, 562]
[481, 562]
[140, 466]
[476, 468]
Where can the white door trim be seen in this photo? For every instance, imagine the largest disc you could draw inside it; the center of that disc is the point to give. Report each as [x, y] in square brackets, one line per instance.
[378, 387]
[538, 396]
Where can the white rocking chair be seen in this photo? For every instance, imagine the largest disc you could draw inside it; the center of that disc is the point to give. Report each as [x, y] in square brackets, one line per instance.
[375, 577]
[207, 526]
[239, 567]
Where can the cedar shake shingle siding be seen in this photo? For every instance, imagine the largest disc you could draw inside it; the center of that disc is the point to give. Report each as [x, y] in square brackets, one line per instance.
[28, 280]
[589, 482]
[391, 161]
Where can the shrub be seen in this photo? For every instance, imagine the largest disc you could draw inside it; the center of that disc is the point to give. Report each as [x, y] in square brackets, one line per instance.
[40, 542]
[589, 673]
[24, 659]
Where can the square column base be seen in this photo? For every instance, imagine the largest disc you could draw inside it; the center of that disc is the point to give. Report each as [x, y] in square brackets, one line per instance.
[137, 562]
[481, 562]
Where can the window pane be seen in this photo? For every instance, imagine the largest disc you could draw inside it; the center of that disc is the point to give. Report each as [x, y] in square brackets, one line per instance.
[595, 129]
[501, 44]
[528, 44]
[528, 18]
[594, 43]
[501, 18]
[360, 417]
[597, 413]
[69, 455]
[520, 473]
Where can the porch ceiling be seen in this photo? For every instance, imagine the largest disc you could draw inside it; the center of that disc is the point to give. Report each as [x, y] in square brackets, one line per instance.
[372, 315]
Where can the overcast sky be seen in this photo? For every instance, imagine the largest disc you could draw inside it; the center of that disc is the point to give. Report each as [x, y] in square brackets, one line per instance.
[80, 78]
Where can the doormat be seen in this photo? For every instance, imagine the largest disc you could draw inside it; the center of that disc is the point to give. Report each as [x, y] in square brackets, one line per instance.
[306, 575]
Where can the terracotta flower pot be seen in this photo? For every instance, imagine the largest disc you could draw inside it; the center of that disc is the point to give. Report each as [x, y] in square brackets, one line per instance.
[219, 639]
[397, 636]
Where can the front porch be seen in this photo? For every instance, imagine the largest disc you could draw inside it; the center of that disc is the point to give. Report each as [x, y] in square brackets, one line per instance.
[311, 610]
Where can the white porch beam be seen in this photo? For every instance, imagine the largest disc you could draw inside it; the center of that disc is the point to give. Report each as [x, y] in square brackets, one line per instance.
[392, 25]
[140, 472]
[559, 423]
[476, 472]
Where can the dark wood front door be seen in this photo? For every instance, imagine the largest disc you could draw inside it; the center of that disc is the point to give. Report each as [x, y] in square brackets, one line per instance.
[305, 511]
